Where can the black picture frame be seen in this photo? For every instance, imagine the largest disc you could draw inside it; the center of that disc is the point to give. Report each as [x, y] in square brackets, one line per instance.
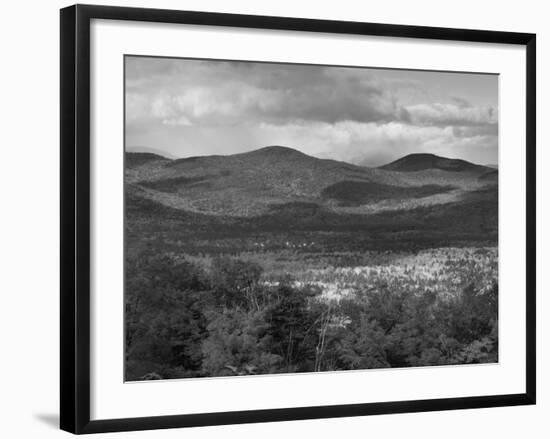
[75, 217]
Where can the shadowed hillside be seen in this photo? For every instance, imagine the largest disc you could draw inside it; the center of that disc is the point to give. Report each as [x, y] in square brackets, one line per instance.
[420, 162]
[489, 177]
[249, 184]
[136, 159]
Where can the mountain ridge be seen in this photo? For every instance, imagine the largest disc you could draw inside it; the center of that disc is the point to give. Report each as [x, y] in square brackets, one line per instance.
[147, 150]
[250, 183]
[421, 161]
[408, 163]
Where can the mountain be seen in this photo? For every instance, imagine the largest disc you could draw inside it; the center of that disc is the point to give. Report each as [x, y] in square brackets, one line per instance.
[420, 162]
[145, 149]
[277, 198]
[253, 183]
[135, 159]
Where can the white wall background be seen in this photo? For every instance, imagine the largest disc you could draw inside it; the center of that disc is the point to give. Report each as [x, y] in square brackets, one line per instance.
[29, 236]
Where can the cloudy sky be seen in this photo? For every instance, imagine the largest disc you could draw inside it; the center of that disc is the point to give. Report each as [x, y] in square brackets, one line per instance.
[184, 108]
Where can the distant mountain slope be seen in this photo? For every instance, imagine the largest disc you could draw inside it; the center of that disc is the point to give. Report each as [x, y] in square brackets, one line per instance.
[271, 171]
[160, 152]
[134, 159]
[420, 162]
[489, 176]
[251, 183]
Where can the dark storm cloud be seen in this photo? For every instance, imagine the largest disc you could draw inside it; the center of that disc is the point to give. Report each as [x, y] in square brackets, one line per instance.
[229, 92]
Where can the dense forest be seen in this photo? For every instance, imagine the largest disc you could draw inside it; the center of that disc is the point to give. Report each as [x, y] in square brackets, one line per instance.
[185, 319]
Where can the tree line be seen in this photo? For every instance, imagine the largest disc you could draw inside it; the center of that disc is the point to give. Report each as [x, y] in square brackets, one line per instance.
[182, 320]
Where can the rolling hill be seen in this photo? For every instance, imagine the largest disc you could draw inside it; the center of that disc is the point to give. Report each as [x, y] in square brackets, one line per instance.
[277, 198]
[420, 162]
[251, 183]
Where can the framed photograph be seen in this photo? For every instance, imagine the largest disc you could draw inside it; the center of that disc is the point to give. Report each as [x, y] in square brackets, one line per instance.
[268, 218]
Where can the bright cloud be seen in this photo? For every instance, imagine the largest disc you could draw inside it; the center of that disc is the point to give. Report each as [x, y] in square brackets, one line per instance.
[452, 114]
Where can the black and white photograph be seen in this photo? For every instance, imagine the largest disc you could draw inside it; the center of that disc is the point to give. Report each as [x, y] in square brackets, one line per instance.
[287, 218]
